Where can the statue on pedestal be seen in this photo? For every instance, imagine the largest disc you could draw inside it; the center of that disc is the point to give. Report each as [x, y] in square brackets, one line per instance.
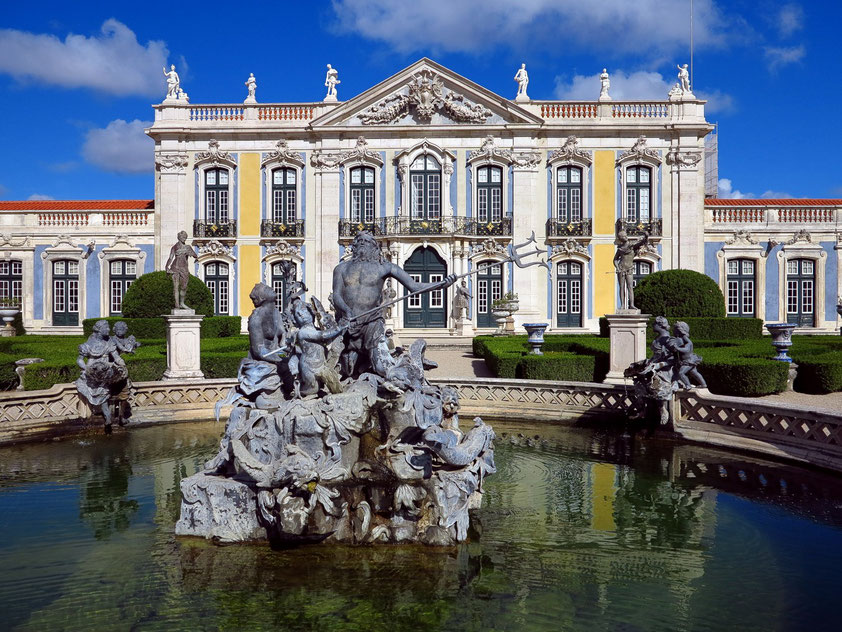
[251, 85]
[684, 79]
[104, 374]
[461, 300]
[331, 81]
[627, 250]
[178, 268]
[388, 296]
[604, 85]
[522, 78]
[173, 83]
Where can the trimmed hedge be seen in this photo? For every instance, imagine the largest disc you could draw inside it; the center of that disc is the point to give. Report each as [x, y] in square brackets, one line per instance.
[212, 326]
[151, 295]
[681, 293]
[702, 328]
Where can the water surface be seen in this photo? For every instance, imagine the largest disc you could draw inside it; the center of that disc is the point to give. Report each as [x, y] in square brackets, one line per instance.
[579, 530]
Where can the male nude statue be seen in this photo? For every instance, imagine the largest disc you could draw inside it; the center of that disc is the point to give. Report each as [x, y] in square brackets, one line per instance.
[358, 288]
[627, 250]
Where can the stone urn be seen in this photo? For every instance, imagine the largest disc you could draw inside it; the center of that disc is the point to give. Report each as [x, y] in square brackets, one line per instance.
[781, 339]
[536, 336]
[8, 312]
[500, 315]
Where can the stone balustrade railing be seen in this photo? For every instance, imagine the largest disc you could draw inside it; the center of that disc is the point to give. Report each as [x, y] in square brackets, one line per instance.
[640, 110]
[135, 219]
[727, 216]
[584, 110]
[238, 114]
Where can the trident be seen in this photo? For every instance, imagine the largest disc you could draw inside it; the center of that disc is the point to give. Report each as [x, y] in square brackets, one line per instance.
[515, 256]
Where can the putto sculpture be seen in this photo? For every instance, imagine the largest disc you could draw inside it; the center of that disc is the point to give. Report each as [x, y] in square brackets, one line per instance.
[669, 369]
[104, 383]
[333, 435]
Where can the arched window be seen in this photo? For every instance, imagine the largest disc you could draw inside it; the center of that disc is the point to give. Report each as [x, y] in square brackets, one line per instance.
[65, 292]
[362, 195]
[569, 299]
[122, 274]
[216, 278]
[425, 191]
[284, 196]
[489, 195]
[489, 289]
[280, 280]
[216, 196]
[638, 194]
[801, 292]
[569, 194]
[11, 280]
[641, 269]
[741, 283]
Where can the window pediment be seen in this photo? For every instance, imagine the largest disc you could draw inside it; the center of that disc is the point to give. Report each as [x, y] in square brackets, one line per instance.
[283, 156]
[640, 153]
[215, 157]
[570, 154]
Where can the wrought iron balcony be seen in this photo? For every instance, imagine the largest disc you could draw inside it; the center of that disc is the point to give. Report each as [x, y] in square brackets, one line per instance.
[444, 226]
[218, 230]
[349, 229]
[269, 228]
[558, 228]
[634, 229]
[473, 227]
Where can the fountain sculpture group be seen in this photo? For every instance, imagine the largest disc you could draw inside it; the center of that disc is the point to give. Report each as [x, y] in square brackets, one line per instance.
[334, 436]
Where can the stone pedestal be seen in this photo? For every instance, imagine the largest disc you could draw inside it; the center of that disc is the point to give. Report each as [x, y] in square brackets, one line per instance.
[183, 345]
[627, 331]
[522, 98]
[464, 327]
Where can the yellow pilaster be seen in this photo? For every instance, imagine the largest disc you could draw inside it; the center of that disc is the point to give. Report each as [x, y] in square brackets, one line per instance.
[249, 181]
[604, 192]
[602, 497]
[604, 280]
[249, 275]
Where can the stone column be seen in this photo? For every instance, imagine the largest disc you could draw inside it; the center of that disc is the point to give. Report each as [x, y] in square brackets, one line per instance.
[183, 345]
[627, 332]
[171, 203]
[687, 201]
[530, 284]
[326, 220]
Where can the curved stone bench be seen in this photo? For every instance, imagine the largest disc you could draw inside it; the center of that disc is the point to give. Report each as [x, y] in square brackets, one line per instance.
[790, 432]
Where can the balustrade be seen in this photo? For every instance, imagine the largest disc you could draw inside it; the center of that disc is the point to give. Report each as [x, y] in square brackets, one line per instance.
[285, 113]
[208, 230]
[640, 110]
[63, 219]
[568, 110]
[806, 215]
[558, 228]
[125, 219]
[269, 228]
[216, 113]
[653, 228]
[745, 215]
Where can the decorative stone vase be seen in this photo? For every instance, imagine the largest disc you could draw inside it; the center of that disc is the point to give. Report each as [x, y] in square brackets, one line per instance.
[500, 315]
[8, 314]
[536, 336]
[781, 339]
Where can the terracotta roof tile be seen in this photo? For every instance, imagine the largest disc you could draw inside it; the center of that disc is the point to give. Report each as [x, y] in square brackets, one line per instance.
[774, 202]
[77, 205]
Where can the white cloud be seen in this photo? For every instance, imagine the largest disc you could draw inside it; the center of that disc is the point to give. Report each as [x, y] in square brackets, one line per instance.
[641, 84]
[120, 147]
[113, 61]
[40, 196]
[727, 191]
[777, 56]
[472, 26]
[790, 19]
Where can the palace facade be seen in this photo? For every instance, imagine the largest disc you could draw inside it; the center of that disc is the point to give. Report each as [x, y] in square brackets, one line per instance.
[446, 175]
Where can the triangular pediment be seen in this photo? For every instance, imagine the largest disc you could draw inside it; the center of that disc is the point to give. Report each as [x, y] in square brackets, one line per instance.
[426, 93]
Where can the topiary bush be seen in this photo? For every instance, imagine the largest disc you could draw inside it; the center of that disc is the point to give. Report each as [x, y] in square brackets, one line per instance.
[148, 328]
[151, 296]
[679, 293]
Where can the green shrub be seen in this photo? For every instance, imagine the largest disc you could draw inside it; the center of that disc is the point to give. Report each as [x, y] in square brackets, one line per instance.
[703, 328]
[744, 377]
[679, 293]
[564, 366]
[212, 326]
[820, 375]
[151, 295]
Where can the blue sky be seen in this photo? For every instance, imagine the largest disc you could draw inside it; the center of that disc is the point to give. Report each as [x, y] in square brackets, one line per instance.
[77, 79]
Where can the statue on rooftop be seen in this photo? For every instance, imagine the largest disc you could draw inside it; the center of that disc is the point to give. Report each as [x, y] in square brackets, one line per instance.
[178, 268]
[251, 85]
[173, 83]
[331, 81]
[684, 78]
[604, 85]
[522, 78]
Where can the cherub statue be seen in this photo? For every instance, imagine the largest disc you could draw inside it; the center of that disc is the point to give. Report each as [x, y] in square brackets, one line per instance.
[687, 360]
[122, 389]
[308, 364]
[104, 368]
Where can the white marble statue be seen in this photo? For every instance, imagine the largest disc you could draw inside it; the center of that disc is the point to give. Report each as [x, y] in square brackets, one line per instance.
[522, 78]
[604, 85]
[684, 78]
[331, 81]
[251, 85]
[173, 83]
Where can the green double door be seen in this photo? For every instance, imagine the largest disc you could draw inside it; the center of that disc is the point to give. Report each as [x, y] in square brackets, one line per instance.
[428, 309]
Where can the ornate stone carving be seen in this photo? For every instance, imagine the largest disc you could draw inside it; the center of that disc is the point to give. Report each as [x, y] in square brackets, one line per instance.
[570, 247]
[801, 235]
[426, 96]
[215, 156]
[216, 248]
[683, 158]
[569, 152]
[325, 161]
[283, 154]
[741, 237]
[283, 249]
[639, 150]
[171, 163]
[361, 153]
[488, 247]
[489, 151]
[525, 159]
[9, 240]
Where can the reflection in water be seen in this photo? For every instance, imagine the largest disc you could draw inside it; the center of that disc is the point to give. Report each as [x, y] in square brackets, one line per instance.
[580, 529]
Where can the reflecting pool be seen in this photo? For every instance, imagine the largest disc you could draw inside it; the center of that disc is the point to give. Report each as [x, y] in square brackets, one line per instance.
[580, 530]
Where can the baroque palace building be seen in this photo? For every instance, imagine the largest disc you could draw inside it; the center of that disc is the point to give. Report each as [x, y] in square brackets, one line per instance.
[446, 175]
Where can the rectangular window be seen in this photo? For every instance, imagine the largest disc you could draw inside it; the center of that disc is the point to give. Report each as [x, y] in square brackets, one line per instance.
[116, 297]
[792, 297]
[212, 287]
[807, 297]
[483, 176]
[369, 206]
[414, 302]
[210, 207]
[733, 297]
[73, 296]
[575, 296]
[277, 206]
[356, 204]
[17, 268]
[223, 207]
[58, 296]
[417, 197]
[116, 267]
[433, 197]
[748, 298]
[562, 205]
[644, 205]
[496, 205]
[223, 297]
[631, 210]
[496, 290]
[733, 267]
[631, 175]
[223, 177]
[748, 267]
[131, 268]
[58, 268]
[482, 205]
[17, 289]
[482, 296]
[806, 266]
[792, 267]
[4, 268]
[575, 205]
[73, 268]
[562, 296]
[4, 289]
[290, 176]
[278, 286]
[290, 218]
[436, 296]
